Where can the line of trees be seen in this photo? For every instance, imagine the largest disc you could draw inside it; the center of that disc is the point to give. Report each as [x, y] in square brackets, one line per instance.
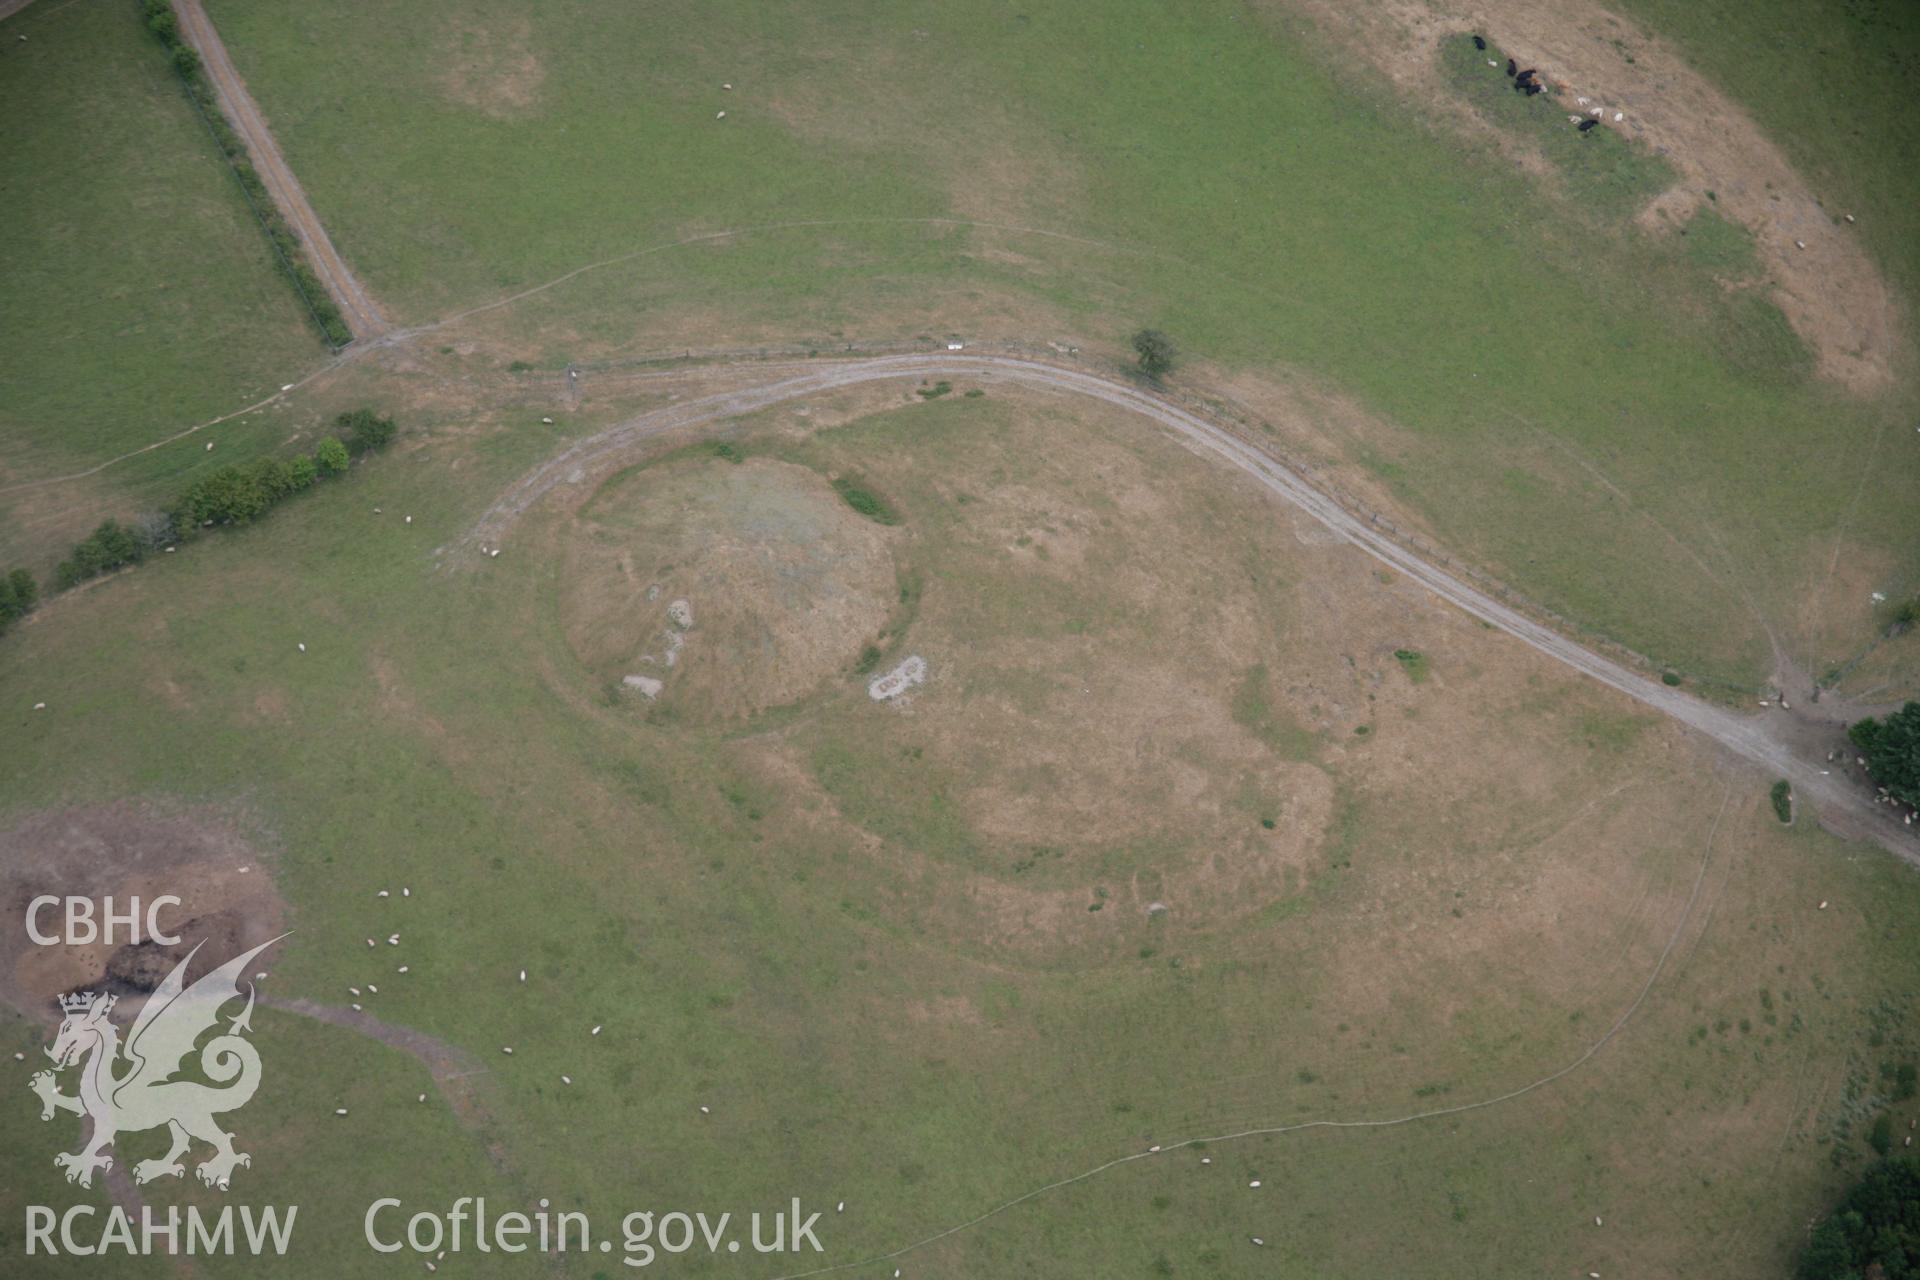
[165, 24]
[232, 495]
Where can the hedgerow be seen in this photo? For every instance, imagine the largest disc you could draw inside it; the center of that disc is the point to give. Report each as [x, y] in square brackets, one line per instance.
[165, 25]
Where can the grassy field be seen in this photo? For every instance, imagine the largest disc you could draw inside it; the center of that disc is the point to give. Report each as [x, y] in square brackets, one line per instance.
[1569, 402]
[866, 937]
[1202, 824]
[137, 293]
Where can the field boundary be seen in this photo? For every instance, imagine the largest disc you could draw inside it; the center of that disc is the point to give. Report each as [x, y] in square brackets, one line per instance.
[362, 318]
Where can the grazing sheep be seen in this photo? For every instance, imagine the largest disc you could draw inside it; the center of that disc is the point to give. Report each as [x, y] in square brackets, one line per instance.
[1587, 126]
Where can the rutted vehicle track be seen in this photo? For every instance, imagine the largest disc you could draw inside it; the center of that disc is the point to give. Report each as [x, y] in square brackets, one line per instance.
[355, 306]
[1842, 807]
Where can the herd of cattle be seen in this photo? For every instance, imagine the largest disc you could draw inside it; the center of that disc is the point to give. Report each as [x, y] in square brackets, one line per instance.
[1528, 81]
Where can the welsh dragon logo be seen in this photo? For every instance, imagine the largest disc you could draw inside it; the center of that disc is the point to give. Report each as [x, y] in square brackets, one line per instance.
[131, 1088]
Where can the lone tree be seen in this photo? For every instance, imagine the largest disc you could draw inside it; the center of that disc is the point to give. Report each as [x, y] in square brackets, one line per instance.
[1892, 750]
[1156, 352]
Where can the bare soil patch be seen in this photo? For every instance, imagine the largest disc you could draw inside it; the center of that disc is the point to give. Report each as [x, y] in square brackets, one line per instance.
[205, 857]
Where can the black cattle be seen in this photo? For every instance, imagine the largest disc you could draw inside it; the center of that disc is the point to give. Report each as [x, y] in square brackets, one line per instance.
[1527, 75]
[1585, 125]
[1512, 66]
[1479, 43]
[1532, 89]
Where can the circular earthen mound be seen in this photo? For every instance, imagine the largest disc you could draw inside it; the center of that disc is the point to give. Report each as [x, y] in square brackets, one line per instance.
[723, 588]
[124, 851]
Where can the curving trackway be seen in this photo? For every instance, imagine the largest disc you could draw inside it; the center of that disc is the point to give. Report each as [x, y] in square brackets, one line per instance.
[1841, 807]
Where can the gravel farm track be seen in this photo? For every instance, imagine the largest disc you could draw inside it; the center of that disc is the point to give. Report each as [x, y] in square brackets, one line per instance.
[1841, 804]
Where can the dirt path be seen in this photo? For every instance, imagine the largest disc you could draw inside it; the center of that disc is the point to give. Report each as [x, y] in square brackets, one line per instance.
[10, 7]
[355, 306]
[1763, 740]
[455, 1072]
